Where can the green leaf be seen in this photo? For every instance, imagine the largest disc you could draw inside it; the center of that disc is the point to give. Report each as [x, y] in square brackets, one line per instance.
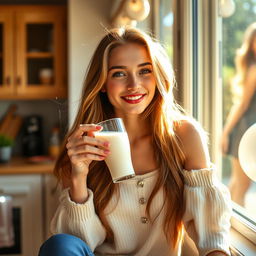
[5, 141]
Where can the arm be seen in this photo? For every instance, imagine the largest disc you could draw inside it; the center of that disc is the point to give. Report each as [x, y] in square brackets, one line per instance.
[79, 220]
[207, 215]
[194, 145]
[76, 214]
[82, 150]
[239, 109]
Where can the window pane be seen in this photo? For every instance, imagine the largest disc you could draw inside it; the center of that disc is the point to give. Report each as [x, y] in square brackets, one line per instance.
[39, 37]
[239, 56]
[166, 25]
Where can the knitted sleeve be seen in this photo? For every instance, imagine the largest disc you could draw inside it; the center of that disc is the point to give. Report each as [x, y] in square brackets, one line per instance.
[79, 220]
[208, 211]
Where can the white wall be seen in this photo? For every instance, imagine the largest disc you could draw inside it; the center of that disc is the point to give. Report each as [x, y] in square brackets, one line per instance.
[87, 20]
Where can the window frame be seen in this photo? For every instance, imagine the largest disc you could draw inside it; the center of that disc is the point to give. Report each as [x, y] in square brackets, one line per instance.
[207, 85]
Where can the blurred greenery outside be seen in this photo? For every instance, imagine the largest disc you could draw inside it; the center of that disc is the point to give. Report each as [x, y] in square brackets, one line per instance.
[166, 25]
[233, 29]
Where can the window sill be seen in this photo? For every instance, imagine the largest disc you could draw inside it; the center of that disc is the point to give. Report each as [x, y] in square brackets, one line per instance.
[241, 245]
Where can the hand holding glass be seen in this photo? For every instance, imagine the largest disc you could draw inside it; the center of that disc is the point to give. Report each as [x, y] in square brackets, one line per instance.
[119, 160]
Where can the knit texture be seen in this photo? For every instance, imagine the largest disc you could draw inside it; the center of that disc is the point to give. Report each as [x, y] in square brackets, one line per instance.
[206, 218]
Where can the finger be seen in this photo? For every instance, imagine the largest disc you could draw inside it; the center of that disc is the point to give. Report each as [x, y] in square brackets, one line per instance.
[75, 159]
[84, 140]
[84, 128]
[85, 149]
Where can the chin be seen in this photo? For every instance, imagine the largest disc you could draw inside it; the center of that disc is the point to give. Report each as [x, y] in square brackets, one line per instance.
[131, 112]
[136, 112]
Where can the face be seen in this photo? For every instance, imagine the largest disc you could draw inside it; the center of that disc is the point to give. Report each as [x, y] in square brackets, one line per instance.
[130, 84]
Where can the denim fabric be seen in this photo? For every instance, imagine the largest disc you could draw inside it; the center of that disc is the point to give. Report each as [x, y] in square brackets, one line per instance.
[65, 245]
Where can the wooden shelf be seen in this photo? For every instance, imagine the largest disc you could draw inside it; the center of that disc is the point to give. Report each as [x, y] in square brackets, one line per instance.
[40, 55]
[37, 85]
[20, 165]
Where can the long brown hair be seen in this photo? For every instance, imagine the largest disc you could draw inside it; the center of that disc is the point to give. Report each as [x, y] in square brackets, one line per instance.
[164, 115]
[245, 56]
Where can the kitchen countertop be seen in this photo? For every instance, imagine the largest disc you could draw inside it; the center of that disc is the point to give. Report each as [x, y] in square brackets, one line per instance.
[21, 165]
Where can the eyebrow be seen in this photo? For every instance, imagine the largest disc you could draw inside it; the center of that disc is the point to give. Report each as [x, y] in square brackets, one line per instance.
[124, 67]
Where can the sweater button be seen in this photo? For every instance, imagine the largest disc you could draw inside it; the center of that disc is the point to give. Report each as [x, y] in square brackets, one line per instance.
[142, 200]
[140, 183]
[144, 220]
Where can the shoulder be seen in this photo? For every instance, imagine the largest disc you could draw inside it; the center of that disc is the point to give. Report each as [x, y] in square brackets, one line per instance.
[251, 73]
[194, 143]
[252, 68]
[188, 130]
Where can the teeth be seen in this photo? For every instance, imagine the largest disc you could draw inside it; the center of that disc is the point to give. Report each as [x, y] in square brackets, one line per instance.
[134, 97]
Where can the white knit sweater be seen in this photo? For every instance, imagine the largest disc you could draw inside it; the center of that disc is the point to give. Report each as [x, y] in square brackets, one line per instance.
[206, 218]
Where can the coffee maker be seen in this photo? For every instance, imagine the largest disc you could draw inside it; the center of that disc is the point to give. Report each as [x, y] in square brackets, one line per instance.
[32, 141]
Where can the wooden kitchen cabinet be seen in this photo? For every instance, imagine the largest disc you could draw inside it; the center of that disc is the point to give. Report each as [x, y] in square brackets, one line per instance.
[27, 221]
[35, 198]
[32, 52]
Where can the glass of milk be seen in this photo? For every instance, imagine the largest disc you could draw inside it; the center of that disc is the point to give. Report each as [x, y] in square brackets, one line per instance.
[119, 160]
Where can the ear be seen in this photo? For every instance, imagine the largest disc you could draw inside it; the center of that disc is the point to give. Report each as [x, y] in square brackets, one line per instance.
[103, 89]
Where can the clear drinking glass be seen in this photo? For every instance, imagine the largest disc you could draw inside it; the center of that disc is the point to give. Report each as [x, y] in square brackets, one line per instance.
[119, 160]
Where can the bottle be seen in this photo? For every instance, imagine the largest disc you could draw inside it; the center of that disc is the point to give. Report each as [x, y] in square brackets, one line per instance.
[54, 145]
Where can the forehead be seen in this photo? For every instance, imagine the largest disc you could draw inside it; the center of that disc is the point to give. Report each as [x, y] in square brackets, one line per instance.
[130, 53]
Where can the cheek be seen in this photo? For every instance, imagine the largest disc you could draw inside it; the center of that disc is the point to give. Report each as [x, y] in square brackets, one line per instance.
[150, 82]
[113, 87]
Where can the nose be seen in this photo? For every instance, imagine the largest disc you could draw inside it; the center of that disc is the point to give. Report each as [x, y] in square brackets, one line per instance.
[133, 82]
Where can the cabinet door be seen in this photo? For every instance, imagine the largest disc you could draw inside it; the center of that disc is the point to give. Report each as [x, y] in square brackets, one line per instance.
[40, 58]
[27, 221]
[6, 54]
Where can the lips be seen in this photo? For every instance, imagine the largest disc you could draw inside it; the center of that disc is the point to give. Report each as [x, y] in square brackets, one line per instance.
[134, 98]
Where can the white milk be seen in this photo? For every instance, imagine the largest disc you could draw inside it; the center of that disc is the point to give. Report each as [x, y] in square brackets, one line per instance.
[119, 160]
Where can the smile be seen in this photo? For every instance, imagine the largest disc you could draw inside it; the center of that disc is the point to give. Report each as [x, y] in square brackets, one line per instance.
[133, 99]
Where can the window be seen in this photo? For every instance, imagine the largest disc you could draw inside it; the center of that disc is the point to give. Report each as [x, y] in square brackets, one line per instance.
[243, 190]
[205, 81]
[166, 21]
[202, 49]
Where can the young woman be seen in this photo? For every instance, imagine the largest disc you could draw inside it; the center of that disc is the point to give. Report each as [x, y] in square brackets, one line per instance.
[242, 114]
[175, 185]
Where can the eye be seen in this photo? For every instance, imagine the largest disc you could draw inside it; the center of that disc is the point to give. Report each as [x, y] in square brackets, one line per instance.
[145, 71]
[118, 74]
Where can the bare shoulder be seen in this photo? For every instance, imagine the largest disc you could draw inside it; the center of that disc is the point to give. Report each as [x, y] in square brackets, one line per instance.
[252, 68]
[251, 74]
[251, 77]
[194, 144]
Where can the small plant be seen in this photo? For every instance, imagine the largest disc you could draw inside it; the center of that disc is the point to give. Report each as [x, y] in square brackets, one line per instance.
[5, 141]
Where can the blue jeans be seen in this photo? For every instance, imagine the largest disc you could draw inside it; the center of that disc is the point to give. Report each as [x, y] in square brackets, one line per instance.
[65, 245]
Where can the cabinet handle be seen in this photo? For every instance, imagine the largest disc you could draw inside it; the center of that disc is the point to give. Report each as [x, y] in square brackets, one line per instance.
[18, 80]
[8, 81]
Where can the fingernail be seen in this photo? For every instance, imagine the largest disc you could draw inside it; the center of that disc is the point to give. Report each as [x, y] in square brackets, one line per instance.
[106, 144]
[98, 127]
[106, 151]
